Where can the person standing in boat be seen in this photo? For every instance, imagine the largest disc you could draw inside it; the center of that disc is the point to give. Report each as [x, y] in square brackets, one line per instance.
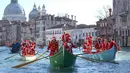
[89, 38]
[15, 47]
[65, 37]
[53, 46]
[69, 45]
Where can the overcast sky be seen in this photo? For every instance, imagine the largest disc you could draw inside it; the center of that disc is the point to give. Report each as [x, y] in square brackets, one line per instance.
[85, 10]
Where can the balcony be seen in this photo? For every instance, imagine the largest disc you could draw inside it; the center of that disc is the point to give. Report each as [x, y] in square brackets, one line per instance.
[123, 13]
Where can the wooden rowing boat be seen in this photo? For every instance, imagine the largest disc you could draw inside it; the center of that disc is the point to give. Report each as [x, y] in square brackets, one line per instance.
[108, 55]
[62, 59]
[28, 57]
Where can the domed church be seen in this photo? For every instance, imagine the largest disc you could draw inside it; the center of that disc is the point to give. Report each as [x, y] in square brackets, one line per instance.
[34, 13]
[14, 12]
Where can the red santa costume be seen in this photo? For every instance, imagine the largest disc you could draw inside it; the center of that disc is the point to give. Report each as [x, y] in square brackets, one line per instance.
[68, 45]
[28, 48]
[53, 46]
[87, 47]
[89, 38]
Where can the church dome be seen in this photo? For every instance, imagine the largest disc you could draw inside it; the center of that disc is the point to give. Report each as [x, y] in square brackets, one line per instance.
[14, 9]
[34, 13]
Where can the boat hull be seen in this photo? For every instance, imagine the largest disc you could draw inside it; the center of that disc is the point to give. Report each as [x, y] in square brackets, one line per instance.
[29, 58]
[108, 55]
[62, 59]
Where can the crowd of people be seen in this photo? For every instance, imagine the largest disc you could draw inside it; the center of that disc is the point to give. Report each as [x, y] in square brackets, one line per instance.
[66, 42]
[28, 47]
[100, 45]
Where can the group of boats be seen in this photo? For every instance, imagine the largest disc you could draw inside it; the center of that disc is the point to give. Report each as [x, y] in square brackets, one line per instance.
[64, 59]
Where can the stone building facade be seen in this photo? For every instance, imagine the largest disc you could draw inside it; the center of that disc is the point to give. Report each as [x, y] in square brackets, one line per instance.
[42, 21]
[121, 17]
[105, 27]
[13, 31]
[14, 25]
[77, 33]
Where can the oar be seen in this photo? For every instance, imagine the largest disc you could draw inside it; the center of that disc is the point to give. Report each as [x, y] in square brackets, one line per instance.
[95, 60]
[85, 58]
[79, 54]
[43, 58]
[23, 64]
[10, 56]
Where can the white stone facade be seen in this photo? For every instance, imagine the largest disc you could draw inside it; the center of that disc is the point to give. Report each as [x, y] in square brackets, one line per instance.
[53, 32]
[76, 34]
[40, 32]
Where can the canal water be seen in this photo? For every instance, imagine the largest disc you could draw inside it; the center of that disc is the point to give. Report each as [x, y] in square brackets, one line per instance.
[81, 66]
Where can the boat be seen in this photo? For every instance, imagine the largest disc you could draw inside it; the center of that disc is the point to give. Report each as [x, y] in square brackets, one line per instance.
[107, 55]
[62, 59]
[28, 57]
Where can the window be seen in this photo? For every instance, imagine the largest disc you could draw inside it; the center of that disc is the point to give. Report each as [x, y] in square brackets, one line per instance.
[92, 33]
[95, 33]
[37, 22]
[43, 28]
[83, 34]
[37, 35]
[128, 32]
[53, 32]
[89, 33]
[76, 36]
[37, 29]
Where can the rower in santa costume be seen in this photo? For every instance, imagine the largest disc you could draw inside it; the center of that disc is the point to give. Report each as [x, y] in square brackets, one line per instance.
[98, 45]
[113, 43]
[89, 38]
[65, 37]
[67, 43]
[53, 46]
[28, 48]
[87, 47]
[105, 45]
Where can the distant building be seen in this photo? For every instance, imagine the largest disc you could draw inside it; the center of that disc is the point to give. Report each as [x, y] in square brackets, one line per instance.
[121, 18]
[105, 28]
[77, 33]
[42, 21]
[14, 12]
[12, 31]
[15, 27]
[57, 31]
